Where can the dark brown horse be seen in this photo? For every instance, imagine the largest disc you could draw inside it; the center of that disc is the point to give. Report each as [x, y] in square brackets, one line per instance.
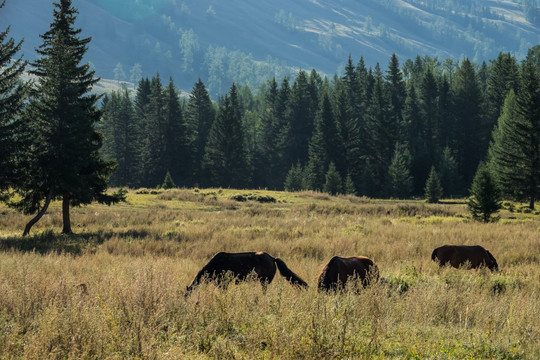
[240, 265]
[339, 270]
[461, 255]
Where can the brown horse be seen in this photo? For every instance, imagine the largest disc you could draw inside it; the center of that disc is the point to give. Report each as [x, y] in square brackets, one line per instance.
[240, 265]
[460, 255]
[339, 270]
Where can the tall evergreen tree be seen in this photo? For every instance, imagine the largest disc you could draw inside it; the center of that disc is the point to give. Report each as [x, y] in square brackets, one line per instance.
[447, 127]
[177, 157]
[430, 115]
[200, 116]
[325, 145]
[120, 138]
[470, 133]
[155, 128]
[449, 176]
[350, 135]
[503, 76]
[142, 99]
[269, 139]
[380, 138]
[353, 90]
[63, 155]
[415, 130]
[301, 117]
[515, 151]
[397, 93]
[226, 158]
[283, 127]
[12, 96]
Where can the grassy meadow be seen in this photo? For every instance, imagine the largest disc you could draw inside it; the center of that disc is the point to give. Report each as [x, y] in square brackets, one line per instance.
[115, 289]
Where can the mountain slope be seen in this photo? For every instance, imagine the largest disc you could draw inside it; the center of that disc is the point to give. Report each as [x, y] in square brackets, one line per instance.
[248, 41]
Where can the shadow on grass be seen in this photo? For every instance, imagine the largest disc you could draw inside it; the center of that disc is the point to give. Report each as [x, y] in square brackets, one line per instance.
[75, 244]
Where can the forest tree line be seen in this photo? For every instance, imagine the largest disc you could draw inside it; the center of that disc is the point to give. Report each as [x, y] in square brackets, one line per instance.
[371, 131]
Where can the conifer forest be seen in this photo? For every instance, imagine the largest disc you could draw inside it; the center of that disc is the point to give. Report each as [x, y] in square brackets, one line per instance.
[377, 131]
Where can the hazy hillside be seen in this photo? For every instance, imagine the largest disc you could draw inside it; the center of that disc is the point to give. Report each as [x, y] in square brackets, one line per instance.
[249, 41]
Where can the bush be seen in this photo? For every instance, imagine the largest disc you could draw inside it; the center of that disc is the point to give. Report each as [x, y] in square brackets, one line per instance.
[253, 197]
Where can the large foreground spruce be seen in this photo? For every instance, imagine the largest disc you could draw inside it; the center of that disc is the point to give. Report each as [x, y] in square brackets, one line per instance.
[62, 161]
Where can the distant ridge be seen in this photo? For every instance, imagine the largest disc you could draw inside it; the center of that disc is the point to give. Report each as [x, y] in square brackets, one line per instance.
[249, 41]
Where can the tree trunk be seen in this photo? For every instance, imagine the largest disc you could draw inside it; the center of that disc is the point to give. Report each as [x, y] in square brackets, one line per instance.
[531, 203]
[39, 214]
[65, 214]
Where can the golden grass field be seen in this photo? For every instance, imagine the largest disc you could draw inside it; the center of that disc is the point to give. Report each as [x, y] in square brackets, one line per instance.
[115, 289]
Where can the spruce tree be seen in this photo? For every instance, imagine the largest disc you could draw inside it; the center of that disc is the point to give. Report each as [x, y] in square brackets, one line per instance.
[12, 96]
[348, 186]
[471, 133]
[226, 158]
[429, 112]
[419, 154]
[324, 146]
[514, 153]
[397, 92]
[380, 137]
[269, 152]
[433, 190]
[349, 131]
[449, 175]
[283, 125]
[120, 138]
[294, 181]
[177, 158]
[63, 160]
[399, 180]
[447, 127]
[301, 118]
[353, 90]
[155, 133]
[503, 76]
[333, 183]
[200, 116]
[485, 197]
[168, 182]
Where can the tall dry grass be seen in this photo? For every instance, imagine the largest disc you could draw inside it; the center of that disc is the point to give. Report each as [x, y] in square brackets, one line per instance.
[115, 289]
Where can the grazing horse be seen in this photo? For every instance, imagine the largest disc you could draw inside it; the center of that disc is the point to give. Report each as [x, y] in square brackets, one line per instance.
[339, 270]
[459, 255]
[240, 265]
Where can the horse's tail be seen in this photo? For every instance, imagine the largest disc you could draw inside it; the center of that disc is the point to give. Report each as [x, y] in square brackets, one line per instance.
[434, 254]
[288, 274]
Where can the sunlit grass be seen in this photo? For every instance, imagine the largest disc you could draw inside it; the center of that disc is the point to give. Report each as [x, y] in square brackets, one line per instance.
[115, 289]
